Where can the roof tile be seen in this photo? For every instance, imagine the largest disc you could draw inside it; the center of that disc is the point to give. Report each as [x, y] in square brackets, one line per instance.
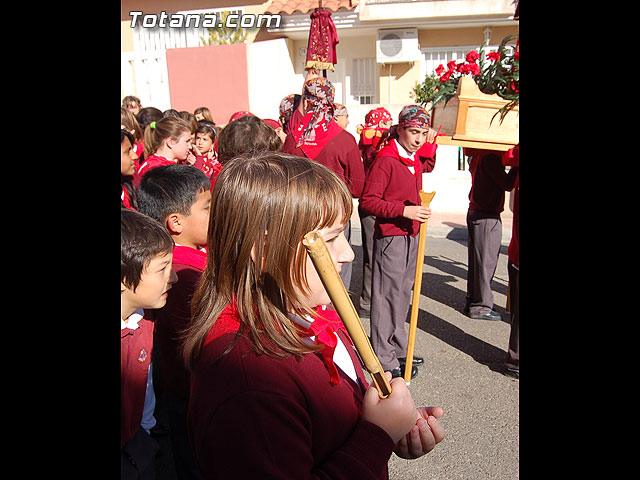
[305, 6]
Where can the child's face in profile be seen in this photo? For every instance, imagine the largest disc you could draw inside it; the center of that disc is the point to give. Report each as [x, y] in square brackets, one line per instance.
[128, 158]
[340, 251]
[180, 147]
[155, 282]
[342, 120]
[196, 225]
[204, 142]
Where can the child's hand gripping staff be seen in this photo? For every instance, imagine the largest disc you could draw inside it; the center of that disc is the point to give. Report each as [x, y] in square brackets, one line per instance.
[322, 261]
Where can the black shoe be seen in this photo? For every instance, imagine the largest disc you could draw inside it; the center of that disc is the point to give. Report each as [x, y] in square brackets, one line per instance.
[492, 315]
[417, 361]
[399, 371]
[512, 373]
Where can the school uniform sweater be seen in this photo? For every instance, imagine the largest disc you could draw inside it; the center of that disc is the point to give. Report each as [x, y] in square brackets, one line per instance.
[136, 345]
[340, 154]
[390, 186]
[175, 316]
[154, 161]
[489, 181]
[253, 416]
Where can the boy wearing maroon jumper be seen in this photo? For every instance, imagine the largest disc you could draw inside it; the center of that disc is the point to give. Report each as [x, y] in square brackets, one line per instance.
[146, 277]
[179, 197]
[391, 194]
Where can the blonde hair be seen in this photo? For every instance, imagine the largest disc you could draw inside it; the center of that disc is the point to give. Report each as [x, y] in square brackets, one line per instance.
[167, 127]
[262, 206]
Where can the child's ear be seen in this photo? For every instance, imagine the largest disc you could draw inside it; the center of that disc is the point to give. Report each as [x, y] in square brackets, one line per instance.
[169, 142]
[173, 223]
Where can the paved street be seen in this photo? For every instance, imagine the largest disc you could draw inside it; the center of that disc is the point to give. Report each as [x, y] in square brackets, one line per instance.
[461, 374]
[463, 359]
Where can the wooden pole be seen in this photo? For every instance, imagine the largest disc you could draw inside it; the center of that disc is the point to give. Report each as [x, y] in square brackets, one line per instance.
[322, 261]
[425, 200]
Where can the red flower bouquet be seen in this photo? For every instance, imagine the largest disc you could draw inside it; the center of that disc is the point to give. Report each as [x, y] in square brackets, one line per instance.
[495, 73]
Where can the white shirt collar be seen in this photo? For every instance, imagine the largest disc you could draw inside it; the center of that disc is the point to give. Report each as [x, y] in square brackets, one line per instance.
[340, 355]
[132, 321]
[402, 151]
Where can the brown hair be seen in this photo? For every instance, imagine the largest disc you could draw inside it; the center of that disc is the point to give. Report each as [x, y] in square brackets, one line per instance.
[167, 127]
[248, 134]
[141, 239]
[131, 100]
[205, 113]
[190, 118]
[129, 121]
[262, 206]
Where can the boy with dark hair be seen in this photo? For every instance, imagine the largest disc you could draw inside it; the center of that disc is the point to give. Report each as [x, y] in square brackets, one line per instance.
[146, 276]
[179, 197]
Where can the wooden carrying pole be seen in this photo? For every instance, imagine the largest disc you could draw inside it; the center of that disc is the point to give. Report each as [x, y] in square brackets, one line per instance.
[425, 200]
[322, 261]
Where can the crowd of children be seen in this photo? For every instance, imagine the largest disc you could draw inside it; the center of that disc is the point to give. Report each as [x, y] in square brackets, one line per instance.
[259, 374]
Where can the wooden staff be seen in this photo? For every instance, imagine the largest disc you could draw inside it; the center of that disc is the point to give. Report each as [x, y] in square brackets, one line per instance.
[425, 200]
[322, 261]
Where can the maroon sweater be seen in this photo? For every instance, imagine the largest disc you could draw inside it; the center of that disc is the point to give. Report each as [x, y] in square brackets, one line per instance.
[390, 186]
[489, 181]
[340, 154]
[171, 320]
[135, 356]
[253, 416]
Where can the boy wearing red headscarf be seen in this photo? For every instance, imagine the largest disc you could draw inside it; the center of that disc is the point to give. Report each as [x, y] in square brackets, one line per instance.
[391, 194]
[373, 134]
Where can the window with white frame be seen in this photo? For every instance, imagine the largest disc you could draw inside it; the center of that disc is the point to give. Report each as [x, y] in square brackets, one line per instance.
[363, 80]
[442, 55]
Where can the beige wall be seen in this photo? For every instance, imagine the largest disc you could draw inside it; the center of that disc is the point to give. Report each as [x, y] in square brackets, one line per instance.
[461, 36]
[126, 37]
[404, 76]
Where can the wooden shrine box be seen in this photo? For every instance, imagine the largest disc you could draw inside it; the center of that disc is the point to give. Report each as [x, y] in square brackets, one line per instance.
[467, 120]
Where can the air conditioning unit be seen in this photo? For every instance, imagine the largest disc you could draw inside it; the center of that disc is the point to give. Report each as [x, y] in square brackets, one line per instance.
[397, 45]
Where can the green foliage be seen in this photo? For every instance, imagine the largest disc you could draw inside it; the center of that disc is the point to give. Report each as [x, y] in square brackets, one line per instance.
[501, 75]
[424, 92]
[446, 91]
[222, 34]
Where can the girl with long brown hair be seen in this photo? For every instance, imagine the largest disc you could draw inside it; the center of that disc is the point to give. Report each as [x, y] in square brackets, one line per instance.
[277, 390]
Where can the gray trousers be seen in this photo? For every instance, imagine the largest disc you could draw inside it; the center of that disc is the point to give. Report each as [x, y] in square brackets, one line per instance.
[485, 235]
[347, 268]
[393, 269]
[513, 353]
[367, 223]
